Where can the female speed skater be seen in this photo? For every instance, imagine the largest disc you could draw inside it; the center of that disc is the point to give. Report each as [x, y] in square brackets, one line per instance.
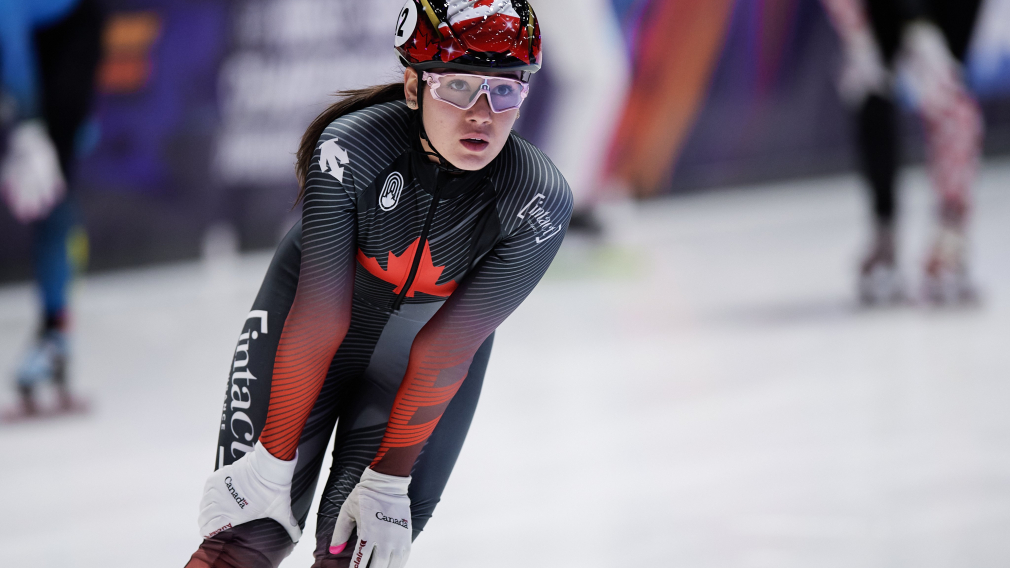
[49, 54]
[926, 41]
[425, 223]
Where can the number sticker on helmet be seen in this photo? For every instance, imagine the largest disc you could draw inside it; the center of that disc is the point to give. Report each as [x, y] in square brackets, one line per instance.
[406, 23]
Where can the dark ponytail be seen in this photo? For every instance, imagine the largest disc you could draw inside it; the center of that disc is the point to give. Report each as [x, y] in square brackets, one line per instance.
[353, 100]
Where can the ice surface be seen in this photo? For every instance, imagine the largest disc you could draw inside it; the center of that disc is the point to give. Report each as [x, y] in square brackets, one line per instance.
[700, 392]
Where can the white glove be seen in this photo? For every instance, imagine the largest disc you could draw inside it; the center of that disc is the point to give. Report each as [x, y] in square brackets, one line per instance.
[380, 508]
[31, 180]
[927, 65]
[257, 486]
[863, 70]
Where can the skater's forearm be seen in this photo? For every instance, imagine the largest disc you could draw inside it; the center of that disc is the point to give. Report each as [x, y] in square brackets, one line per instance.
[847, 16]
[321, 312]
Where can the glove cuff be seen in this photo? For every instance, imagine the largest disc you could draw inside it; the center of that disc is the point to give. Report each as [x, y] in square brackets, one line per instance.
[270, 468]
[392, 485]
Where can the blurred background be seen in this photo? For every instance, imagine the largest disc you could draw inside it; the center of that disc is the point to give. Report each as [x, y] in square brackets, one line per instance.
[695, 383]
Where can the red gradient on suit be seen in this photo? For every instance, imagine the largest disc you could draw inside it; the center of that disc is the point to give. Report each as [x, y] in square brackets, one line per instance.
[398, 270]
[438, 365]
[315, 327]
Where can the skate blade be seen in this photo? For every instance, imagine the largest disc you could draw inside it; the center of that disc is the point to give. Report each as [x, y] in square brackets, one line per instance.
[882, 288]
[950, 292]
[18, 415]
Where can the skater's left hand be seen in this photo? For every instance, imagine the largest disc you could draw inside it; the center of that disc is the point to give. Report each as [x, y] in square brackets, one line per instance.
[258, 486]
[31, 180]
[380, 508]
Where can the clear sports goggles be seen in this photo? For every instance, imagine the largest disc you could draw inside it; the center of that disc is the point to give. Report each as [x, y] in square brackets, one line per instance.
[462, 90]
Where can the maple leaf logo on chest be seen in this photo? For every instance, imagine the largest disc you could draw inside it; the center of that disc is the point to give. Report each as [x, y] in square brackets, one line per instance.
[398, 270]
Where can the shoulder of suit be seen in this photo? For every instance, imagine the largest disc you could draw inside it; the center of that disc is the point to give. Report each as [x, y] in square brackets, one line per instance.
[371, 138]
[525, 179]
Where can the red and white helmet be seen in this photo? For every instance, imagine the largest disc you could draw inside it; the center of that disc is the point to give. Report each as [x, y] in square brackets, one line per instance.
[469, 35]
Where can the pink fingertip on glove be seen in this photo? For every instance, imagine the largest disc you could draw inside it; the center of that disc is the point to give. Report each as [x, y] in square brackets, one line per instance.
[338, 549]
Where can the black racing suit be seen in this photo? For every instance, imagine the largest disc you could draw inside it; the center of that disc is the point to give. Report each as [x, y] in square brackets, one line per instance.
[377, 314]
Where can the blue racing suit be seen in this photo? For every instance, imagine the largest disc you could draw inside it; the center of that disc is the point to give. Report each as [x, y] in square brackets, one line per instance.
[49, 54]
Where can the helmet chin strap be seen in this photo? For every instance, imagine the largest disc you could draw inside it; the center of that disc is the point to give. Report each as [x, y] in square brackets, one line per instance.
[442, 162]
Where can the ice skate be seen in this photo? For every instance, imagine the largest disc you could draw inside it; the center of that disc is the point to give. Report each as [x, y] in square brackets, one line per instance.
[880, 282]
[946, 280]
[46, 360]
[45, 363]
[28, 405]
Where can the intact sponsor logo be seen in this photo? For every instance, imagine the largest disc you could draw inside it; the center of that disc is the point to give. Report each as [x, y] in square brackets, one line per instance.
[234, 493]
[360, 553]
[539, 219]
[233, 416]
[401, 522]
[219, 531]
[333, 158]
[391, 191]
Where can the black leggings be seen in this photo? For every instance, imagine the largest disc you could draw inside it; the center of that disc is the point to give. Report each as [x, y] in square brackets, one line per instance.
[358, 403]
[68, 55]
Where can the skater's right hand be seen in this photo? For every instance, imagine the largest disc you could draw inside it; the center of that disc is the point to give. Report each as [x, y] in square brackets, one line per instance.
[257, 486]
[31, 180]
[380, 508]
